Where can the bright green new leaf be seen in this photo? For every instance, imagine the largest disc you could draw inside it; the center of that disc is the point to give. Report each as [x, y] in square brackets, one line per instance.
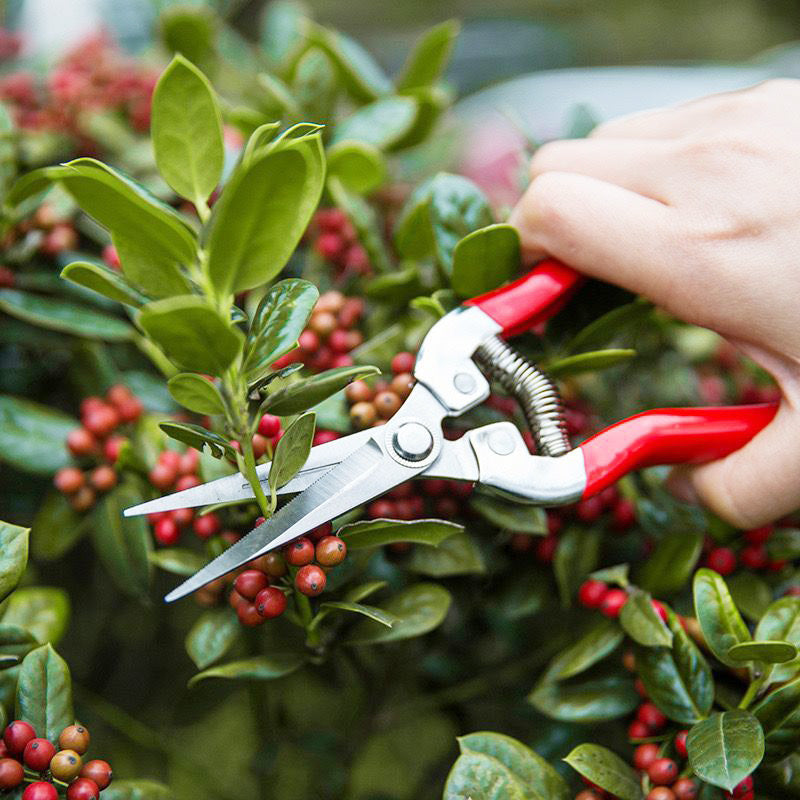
[198, 437]
[607, 770]
[588, 362]
[196, 393]
[42, 610]
[44, 692]
[13, 556]
[292, 451]
[719, 618]
[307, 392]
[379, 532]
[359, 166]
[485, 259]
[430, 55]
[103, 280]
[381, 124]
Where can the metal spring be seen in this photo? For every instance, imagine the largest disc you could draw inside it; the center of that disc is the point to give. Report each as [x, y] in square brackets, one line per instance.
[535, 392]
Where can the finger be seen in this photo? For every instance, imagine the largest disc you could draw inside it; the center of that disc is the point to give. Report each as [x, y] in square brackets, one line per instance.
[640, 166]
[754, 485]
[613, 234]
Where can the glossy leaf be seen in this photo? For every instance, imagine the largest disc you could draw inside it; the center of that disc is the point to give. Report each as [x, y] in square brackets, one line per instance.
[672, 562]
[725, 748]
[212, 635]
[44, 611]
[196, 393]
[292, 450]
[588, 362]
[592, 700]
[485, 259]
[371, 612]
[262, 213]
[752, 595]
[719, 618]
[367, 534]
[363, 591]
[575, 557]
[769, 652]
[475, 776]
[599, 641]
[419, 609]
[608, 327]
[306, 393]
[186, 129]
[258, 668]
[99, 278]
[57, 314]
[44, 692]
[177, 560]
[13, 556]
[510, 516]
[642, 622]
[456, 555]
[15, 640]
[56, 528]
[381, 124]
[779, 715]
[277, 323]
[782, 621]
[607, 770]
[430, 55]
[137, 790]
[198, 437]
[359, 165]
[28, 432]
[191, 333]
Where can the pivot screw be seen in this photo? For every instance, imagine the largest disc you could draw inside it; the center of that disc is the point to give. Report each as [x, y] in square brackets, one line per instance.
[412, 441]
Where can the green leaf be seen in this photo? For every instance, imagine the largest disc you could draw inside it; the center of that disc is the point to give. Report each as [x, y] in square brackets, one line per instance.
[607, 770]
[475, 776]
[123, 543]
[485, 259]
[378, 614]
[678, 680]
[263, 212]
[725, 748]
[779, 715]
[770, 652]
[262, 136]
[31, 435]
[16, 641]
[307, 392]
[378, 532]
[516, 517]
[282, 28]
[44, 611]
[381, 124]
[44, 692]
[258, 668]
[277, 323]
[419, 609]
[56, 314]
[599, 641]
[719, 619]
[456, 555]
[292, 451]
[672, 562]
[642, 622]
[137, 790]
[99, 278]
[212, 635]
[784, 544]
[198, 437]
[752, 595]
[13, 556]
[177, 560]
[151, 270]
[186, 129]
[430, 55]
[363, 591]
[196, 393]
[576, 556]
[32, 183]
[396, 287]
[618, 574]
[607, 328]
[587, 362]
[782, 621]
[191, 333]
[190, 31]
[593, 700]
[431, 102]
[359, 165]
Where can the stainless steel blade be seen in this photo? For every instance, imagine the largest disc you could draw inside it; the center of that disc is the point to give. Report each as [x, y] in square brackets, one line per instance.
[362, 476]
[231, 488]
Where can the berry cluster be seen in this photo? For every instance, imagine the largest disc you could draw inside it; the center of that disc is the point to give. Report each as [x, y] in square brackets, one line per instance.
[96, 446]
[330, 335]
[752, 554]
[26, 757]
[372, 406]
[335, 240]
[47, 231]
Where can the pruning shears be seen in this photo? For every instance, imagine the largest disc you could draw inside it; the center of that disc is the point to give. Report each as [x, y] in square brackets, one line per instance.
[455, 358]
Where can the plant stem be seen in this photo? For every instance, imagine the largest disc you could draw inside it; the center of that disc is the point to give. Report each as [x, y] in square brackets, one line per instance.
[752, 691]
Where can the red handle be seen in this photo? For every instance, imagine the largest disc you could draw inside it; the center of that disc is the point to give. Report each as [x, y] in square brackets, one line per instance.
[670, 436]
[533, 298]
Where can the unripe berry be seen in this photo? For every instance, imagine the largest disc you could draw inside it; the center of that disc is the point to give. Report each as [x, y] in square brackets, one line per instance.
[332, 301]
[402, 384]
[42, 790]
[259, 444]
[661, 793]
[330, 551]
[250, 582]
[269, 425]
[68, 480]
[323, 323]
[270, 602]
[644, 755]
[685, 789]
[363, 415]
[358, 392]
[387, 404]
[592, 593]
[403, 362]
[103, 478]
[274, 565]
[166, 531]
[74, 737]
[722, 560]
[248, 614]
[17, 735]
[206, 526]
[83, 499]
[680, 743]
[38, 753]
[310, 580]
[65, 765]
[588, 794]
[98, 771]
[613, 602]
[81, 442]
[83, 789]
[299, 552]
[663, 771]
[11, 773]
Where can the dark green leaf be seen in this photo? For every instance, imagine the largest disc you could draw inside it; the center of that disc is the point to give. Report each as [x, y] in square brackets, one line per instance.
[212, 635]
[642, 622]
[769, 652]
[672, 563]
[618, 574]
[359, 165]
[258, 668]
[381, 124]
[587, 362]
[607, 328]
[43, 611]
[31, 435]
[593, 700]
[782, 621]
[137, 790]
[599, 641]
[607, 770]
[13, 556]
[719, 619]
[44, 692]
[56, 314]
[177, 560]
[307, 392]
[363, 591]
[419, 609]
[198, 437]
[413, 234]
[779, 715]
[456, 555]
[784, 544]
[105, 281]
[196, 393]
[16, 641]
[475, 776]
[378, 532]
[726, 748]
[292, 451]
[377, 614]
[190, 31]
[575, 557]
[515, 517]
[751, 593]
[396, 287]
[191, 333]
[186, 129]
[485, 259]
[428, 59]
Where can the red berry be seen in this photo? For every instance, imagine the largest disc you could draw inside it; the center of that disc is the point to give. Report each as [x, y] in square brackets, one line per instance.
[83, 789]
[270, 602]
[103, 478]
[623, 514]
[187, 482]
[259, 444]
[250, 582]
[351, 312]
[759, 535]
[590, 509]
[329, 245]
[308, 342]
[330, 551]
[754, 556]
[299, 552]
[403, 362]
[183, 516]
[81, 442]
[206, 526]
[111, 257]
[112, 447]
[387, 404]
[119, 394]
[685, 789]
[555, 524]
[323, 323]
[650, 715]
[248, 614]
[638, 730]
[320, 532]
[269, 425]
[323, 437]
[170, 458]
[68, 480]
[235, 600]
[545, 546]
[644, 755]
[310, 580]
[663, 771]
[189, 462]
[162, 476]
[42, 790]
[743, 788]
[660, 609]
[11, 773]
[638, 685]
[592, 593]
[722, 560]
[380, 509]
[167, 532]
[17, 734]
[680, 743]
[613, 602]
[274, 564]
[37, 754]
[339, 341]
[101, 421]
[660, 793]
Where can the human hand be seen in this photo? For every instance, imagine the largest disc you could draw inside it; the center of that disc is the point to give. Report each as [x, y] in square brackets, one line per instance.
[697, 208]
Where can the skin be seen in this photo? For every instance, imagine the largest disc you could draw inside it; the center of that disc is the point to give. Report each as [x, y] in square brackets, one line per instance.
[696, 207]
